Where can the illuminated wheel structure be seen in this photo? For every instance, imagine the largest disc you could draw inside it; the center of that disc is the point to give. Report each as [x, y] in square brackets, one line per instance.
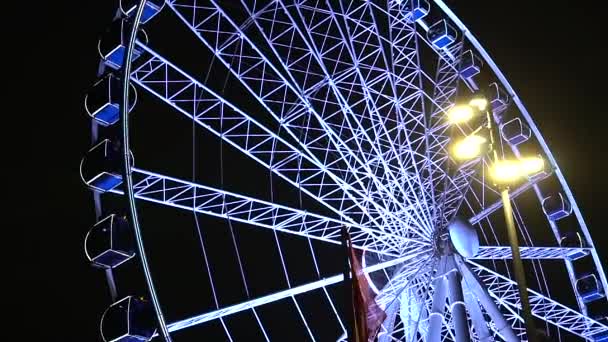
[263, 127]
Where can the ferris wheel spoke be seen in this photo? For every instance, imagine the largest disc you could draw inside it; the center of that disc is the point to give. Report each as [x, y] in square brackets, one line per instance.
[276, 94]
[410, 106]
[289, 293]
[373, 85]
[444, 84]
[404, 278]
[306, 70]
[438, 143]
[330, 130]
[444, 92]
[402, 29]
[260, 77]
[505, 292]
[370, 87]
[173, 192]
[455, 192]
[513, 194]
[183, 93]
[504, 252]
[281, 31]
[408, 75]
[326, 40]
[396, 69]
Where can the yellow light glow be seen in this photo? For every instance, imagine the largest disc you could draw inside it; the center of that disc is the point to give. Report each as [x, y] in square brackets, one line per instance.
[506, 171]
[479, 103]
[532, 165]
[469, 147]
[460, 114]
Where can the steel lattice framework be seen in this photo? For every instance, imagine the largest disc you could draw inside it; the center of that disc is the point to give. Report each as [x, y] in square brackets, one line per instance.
[352, 98]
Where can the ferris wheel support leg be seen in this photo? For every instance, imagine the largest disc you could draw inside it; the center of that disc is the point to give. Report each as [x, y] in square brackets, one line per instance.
[502, 325]
[439, 297]
[457, 306]
[389, 323]
[479, 323]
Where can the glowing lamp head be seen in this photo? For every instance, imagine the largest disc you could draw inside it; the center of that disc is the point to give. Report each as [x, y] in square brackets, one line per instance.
[532, 165]
[469, 147]
[479, 102]
[507, 171]
[460, 114]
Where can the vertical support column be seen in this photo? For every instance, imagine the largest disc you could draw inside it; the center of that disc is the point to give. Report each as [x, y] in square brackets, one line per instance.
[518, 267]
[457, 307]
[502, 325]
[439, 298]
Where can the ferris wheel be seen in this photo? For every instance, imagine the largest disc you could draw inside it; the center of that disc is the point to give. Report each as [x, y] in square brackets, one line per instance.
[263, 128]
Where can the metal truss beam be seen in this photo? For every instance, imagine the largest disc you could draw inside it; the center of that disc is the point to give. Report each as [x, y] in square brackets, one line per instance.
[188, 96]
[281, 95]
[504, 252]
[489, 209]
[505, 291]
[281, 31]
[190, 196]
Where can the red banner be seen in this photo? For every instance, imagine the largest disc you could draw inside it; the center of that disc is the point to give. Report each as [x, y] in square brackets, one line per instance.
[368, 315]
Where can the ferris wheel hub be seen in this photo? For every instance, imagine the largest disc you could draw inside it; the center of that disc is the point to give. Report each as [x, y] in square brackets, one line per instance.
[463, 237]
[441, 244]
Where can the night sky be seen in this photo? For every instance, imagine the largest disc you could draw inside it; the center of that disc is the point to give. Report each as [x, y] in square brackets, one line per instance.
[551, 51]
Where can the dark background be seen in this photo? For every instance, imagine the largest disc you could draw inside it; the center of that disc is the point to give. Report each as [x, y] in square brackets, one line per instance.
[552, 52]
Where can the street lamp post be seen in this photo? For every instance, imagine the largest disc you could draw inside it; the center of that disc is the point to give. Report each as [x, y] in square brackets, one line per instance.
[504, 172]
[518, 266]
